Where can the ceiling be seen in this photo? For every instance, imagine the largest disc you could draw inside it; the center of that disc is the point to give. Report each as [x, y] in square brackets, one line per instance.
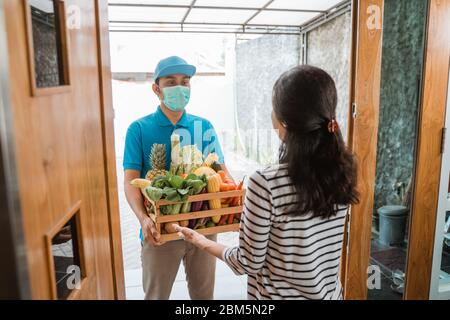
[227, 16]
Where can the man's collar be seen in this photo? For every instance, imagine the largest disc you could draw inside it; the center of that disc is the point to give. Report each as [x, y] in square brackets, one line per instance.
[163, 121]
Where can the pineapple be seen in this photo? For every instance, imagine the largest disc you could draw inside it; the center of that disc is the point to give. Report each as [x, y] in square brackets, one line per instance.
[157, 161]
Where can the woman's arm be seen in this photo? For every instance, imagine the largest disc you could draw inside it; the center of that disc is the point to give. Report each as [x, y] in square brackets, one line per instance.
[249, 257]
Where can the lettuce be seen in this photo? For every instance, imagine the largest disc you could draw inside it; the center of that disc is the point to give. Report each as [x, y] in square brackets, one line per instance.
[153, 193]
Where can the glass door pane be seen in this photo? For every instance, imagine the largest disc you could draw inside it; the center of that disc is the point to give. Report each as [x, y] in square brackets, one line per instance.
[401, 74]
[440, 279]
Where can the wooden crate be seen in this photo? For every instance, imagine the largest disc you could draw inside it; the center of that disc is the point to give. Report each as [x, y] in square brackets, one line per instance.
[159, 219]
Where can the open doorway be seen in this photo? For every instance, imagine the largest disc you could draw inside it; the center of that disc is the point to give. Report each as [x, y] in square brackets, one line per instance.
[237, 66]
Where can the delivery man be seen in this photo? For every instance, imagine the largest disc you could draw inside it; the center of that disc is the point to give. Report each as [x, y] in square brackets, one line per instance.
[160, 262]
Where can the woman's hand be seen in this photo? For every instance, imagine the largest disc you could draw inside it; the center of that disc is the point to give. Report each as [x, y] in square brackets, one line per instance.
[191, 236]
[200, 241]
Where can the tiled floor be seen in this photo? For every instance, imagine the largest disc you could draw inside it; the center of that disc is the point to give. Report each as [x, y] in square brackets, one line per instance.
[389, 259]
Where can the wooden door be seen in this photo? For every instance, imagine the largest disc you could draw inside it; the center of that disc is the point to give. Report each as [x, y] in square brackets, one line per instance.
[64, 147]
[364, 97]
[364, 128]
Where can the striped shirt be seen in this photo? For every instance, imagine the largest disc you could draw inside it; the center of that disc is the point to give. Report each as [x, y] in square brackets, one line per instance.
[285, 256]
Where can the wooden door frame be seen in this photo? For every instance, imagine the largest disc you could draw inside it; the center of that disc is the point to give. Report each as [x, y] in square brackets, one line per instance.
[11, 228]
[363, 127]
[109, 154]
[13, 273]
[365, 93]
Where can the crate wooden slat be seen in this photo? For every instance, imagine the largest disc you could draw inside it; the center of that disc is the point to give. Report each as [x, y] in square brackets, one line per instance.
[205, 231]
[160, 219]
[200, 197]
[198, 214]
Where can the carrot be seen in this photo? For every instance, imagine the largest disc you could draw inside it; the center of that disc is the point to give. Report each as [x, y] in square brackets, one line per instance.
[223, 219]
[230, 219]
[222, 174]
[225, 178]
[241, 184]
[239, 187]
[226, 200]
[234, 201]
[227, 187]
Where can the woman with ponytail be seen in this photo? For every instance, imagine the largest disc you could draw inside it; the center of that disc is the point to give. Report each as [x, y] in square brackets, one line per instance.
[292, 226]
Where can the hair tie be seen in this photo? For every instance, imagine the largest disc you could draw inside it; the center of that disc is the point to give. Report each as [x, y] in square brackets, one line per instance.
[333, 126]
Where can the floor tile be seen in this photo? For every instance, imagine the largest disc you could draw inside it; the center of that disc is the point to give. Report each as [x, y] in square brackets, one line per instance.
[229, 288]
[133, 278]
[134, 293]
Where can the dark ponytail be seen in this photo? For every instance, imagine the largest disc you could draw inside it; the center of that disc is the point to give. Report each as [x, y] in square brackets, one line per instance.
[320, 166]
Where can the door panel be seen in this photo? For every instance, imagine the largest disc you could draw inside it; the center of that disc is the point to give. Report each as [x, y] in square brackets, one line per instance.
[429, 94]
[401, 78]
[363, 141]
[61, 158]
[434, 95]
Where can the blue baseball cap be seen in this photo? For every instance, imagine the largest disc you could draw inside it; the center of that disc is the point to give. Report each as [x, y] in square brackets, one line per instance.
[173, 65]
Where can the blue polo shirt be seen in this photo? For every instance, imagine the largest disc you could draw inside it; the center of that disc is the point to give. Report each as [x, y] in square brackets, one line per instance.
[157, 128]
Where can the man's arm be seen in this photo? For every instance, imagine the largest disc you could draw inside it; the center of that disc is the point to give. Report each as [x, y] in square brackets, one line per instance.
[136, 202]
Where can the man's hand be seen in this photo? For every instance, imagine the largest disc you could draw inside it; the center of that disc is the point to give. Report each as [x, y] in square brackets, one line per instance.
[151, 235]
[136, 201]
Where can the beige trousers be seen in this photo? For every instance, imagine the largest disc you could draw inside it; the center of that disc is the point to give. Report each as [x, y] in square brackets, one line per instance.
[160, 266]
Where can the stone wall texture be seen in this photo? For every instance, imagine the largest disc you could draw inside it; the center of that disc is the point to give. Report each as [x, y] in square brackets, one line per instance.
[402, 57]
[329, 48]
[259, 63]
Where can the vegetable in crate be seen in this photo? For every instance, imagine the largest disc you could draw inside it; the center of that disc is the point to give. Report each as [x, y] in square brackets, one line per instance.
[153, 193]
[184, 223]
[197, 206]
[223, 220]
[192, 223]
[184, 159]
[157, 161]
[175, 195]
[210, 224]
[205, 169]
[169, 227]
[216, 219]
[213, 185]
[140, 183]
[200, 223]
[195, 185]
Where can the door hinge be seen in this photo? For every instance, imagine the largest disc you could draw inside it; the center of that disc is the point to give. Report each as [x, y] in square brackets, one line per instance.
[443, 139]
[354, 110]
